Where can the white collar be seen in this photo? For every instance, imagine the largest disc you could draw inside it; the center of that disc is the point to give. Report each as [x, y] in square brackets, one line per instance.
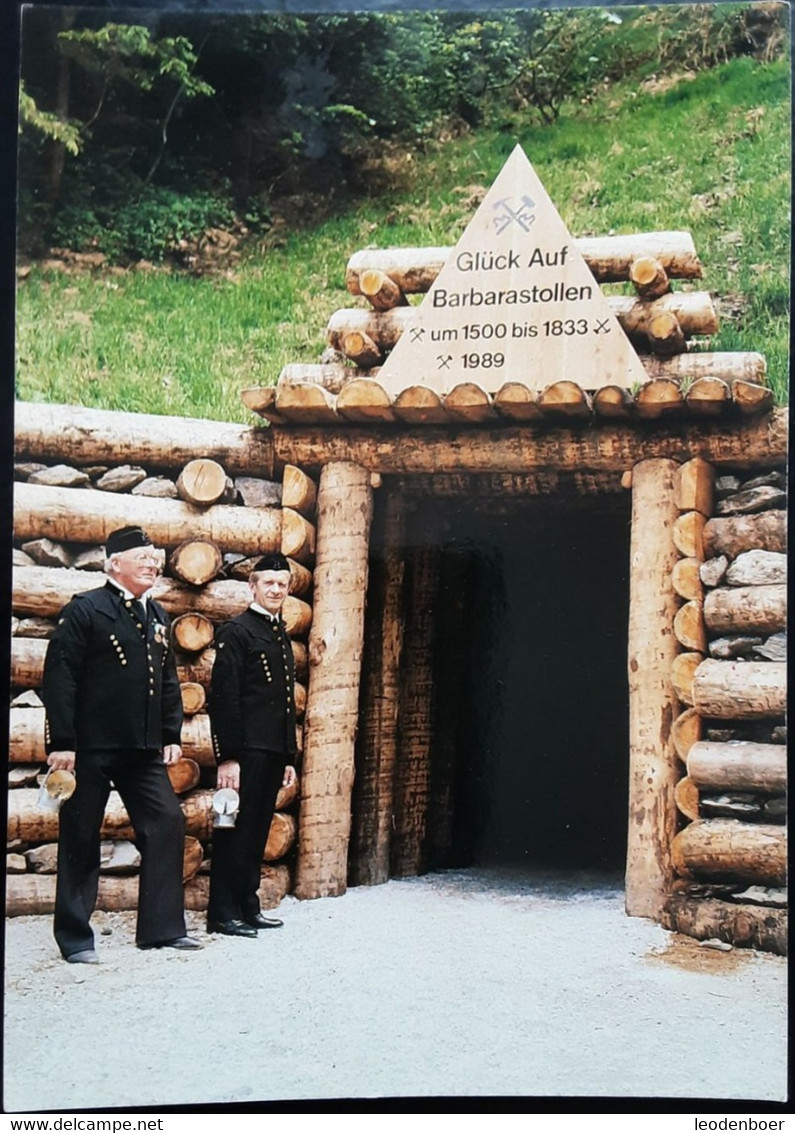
[273, 618]
[128, 595]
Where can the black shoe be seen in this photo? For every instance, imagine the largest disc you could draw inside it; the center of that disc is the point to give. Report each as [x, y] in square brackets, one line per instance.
[264, 922]
[183, 943]
[87, 956]
[231, 928]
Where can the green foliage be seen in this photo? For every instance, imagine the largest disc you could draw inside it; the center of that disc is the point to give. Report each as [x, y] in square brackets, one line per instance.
[48, 125]
[150, 226]
[715, 159]
[127, 53]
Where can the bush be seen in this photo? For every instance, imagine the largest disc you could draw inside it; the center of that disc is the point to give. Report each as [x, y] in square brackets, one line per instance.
[150, 225]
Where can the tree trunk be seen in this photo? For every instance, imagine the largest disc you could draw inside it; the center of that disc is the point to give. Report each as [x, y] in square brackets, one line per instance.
[608, 257]
[29, 824]
[192, 633]
[744, 926]
[201, 482]
[708, 397]
[377, 742]
[381, 292]
[363, 400]
[686, 797]
[693, 311]
[89, 517]
[413, 766]
[613, 402]
[736, 534]
[196, 561]
[683, 671]
[688, 535]
[665, 335]
[299, 492]
[564, 399]
[746, 609]
[517, 402]
[45, 591]
[738, 766]
[649, 277]
[686, 731]
[184, 775]
[344, 512]
[658, 397]
[360, 348]
[694, 486]
[752, 398]
[420, 405]
[194, 698]
[686, 580]
[75, 434]
[741, 690]
[280, 836]
[689, 627]
[301, 403]
[749, 444]
[469, 403]
[721, 848]
[651, 651]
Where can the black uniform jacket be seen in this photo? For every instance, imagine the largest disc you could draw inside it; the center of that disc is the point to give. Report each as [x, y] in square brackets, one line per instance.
[252, 702]
[109, 682]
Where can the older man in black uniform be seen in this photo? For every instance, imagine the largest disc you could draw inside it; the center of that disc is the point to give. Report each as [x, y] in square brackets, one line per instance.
[114, 717]
[252, 712]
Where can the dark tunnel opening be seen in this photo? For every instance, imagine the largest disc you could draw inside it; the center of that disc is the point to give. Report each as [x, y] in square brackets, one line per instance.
[530, 673]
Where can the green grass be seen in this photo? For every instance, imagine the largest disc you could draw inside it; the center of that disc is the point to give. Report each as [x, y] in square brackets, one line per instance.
[709, 154]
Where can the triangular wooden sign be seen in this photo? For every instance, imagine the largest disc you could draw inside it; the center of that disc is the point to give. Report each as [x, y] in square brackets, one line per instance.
[515, 301]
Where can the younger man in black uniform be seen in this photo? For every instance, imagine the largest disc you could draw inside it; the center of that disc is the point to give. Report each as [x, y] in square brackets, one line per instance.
[252, 713]
[114, 717]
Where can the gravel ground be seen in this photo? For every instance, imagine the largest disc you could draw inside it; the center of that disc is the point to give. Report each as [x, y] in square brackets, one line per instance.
[454, 984]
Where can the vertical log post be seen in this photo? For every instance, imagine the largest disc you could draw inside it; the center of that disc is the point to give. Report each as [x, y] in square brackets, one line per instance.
[344, 512]
[413, 767]
[376, 749]
[652, 702]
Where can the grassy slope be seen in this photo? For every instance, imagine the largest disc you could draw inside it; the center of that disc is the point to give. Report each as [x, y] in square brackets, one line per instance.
[710, 155]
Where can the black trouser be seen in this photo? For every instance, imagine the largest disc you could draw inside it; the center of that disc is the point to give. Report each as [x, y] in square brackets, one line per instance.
[237, 850]
[141, 779]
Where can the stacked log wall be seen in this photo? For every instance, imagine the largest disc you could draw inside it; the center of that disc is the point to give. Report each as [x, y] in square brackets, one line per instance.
[66, 502]
[730, 674]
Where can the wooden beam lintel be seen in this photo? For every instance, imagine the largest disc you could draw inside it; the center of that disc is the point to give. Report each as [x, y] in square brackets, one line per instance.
[753, 443]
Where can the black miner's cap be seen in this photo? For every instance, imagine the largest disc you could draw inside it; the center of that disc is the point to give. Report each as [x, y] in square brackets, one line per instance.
[125, 539]
[274, 561]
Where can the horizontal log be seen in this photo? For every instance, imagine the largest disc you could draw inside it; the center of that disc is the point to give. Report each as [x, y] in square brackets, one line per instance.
[746, 609]
[683, 671]
[751, 398]
[708, 397]
[659, 397]
[609, 258]
[196, 561]
[649, 277]
[380, 290]
[739, 690]
[184, 775]
[281, 836]
[192, 632]
[693, 311]
[743, 926]
[689, 627]
[726, 848]
[83, 516]
[54, 433]
[202, 482]
[45, 591]
[363, 400]
[469, 402]
[735, 534]
[748, 444]
[738, 766]
[688, 534]
[27, 822]
[194, 697]
[728, 366]
[299, 491]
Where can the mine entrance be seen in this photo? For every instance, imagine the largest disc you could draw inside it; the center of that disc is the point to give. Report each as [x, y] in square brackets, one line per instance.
[530, 702]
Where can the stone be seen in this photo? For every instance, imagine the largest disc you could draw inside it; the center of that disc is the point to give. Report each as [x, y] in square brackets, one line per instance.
[46, 552]
[21, 558]
[258, 493]
[61, 476]
[157, 486]
[757, 568]
[15, 863]
[712, 571]
[752, 501]
[121, 479]
[91, 559]
[774, 649]
[25, 468]
[28, 699]
[43, 859]
[730, 648]
[35, 627]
